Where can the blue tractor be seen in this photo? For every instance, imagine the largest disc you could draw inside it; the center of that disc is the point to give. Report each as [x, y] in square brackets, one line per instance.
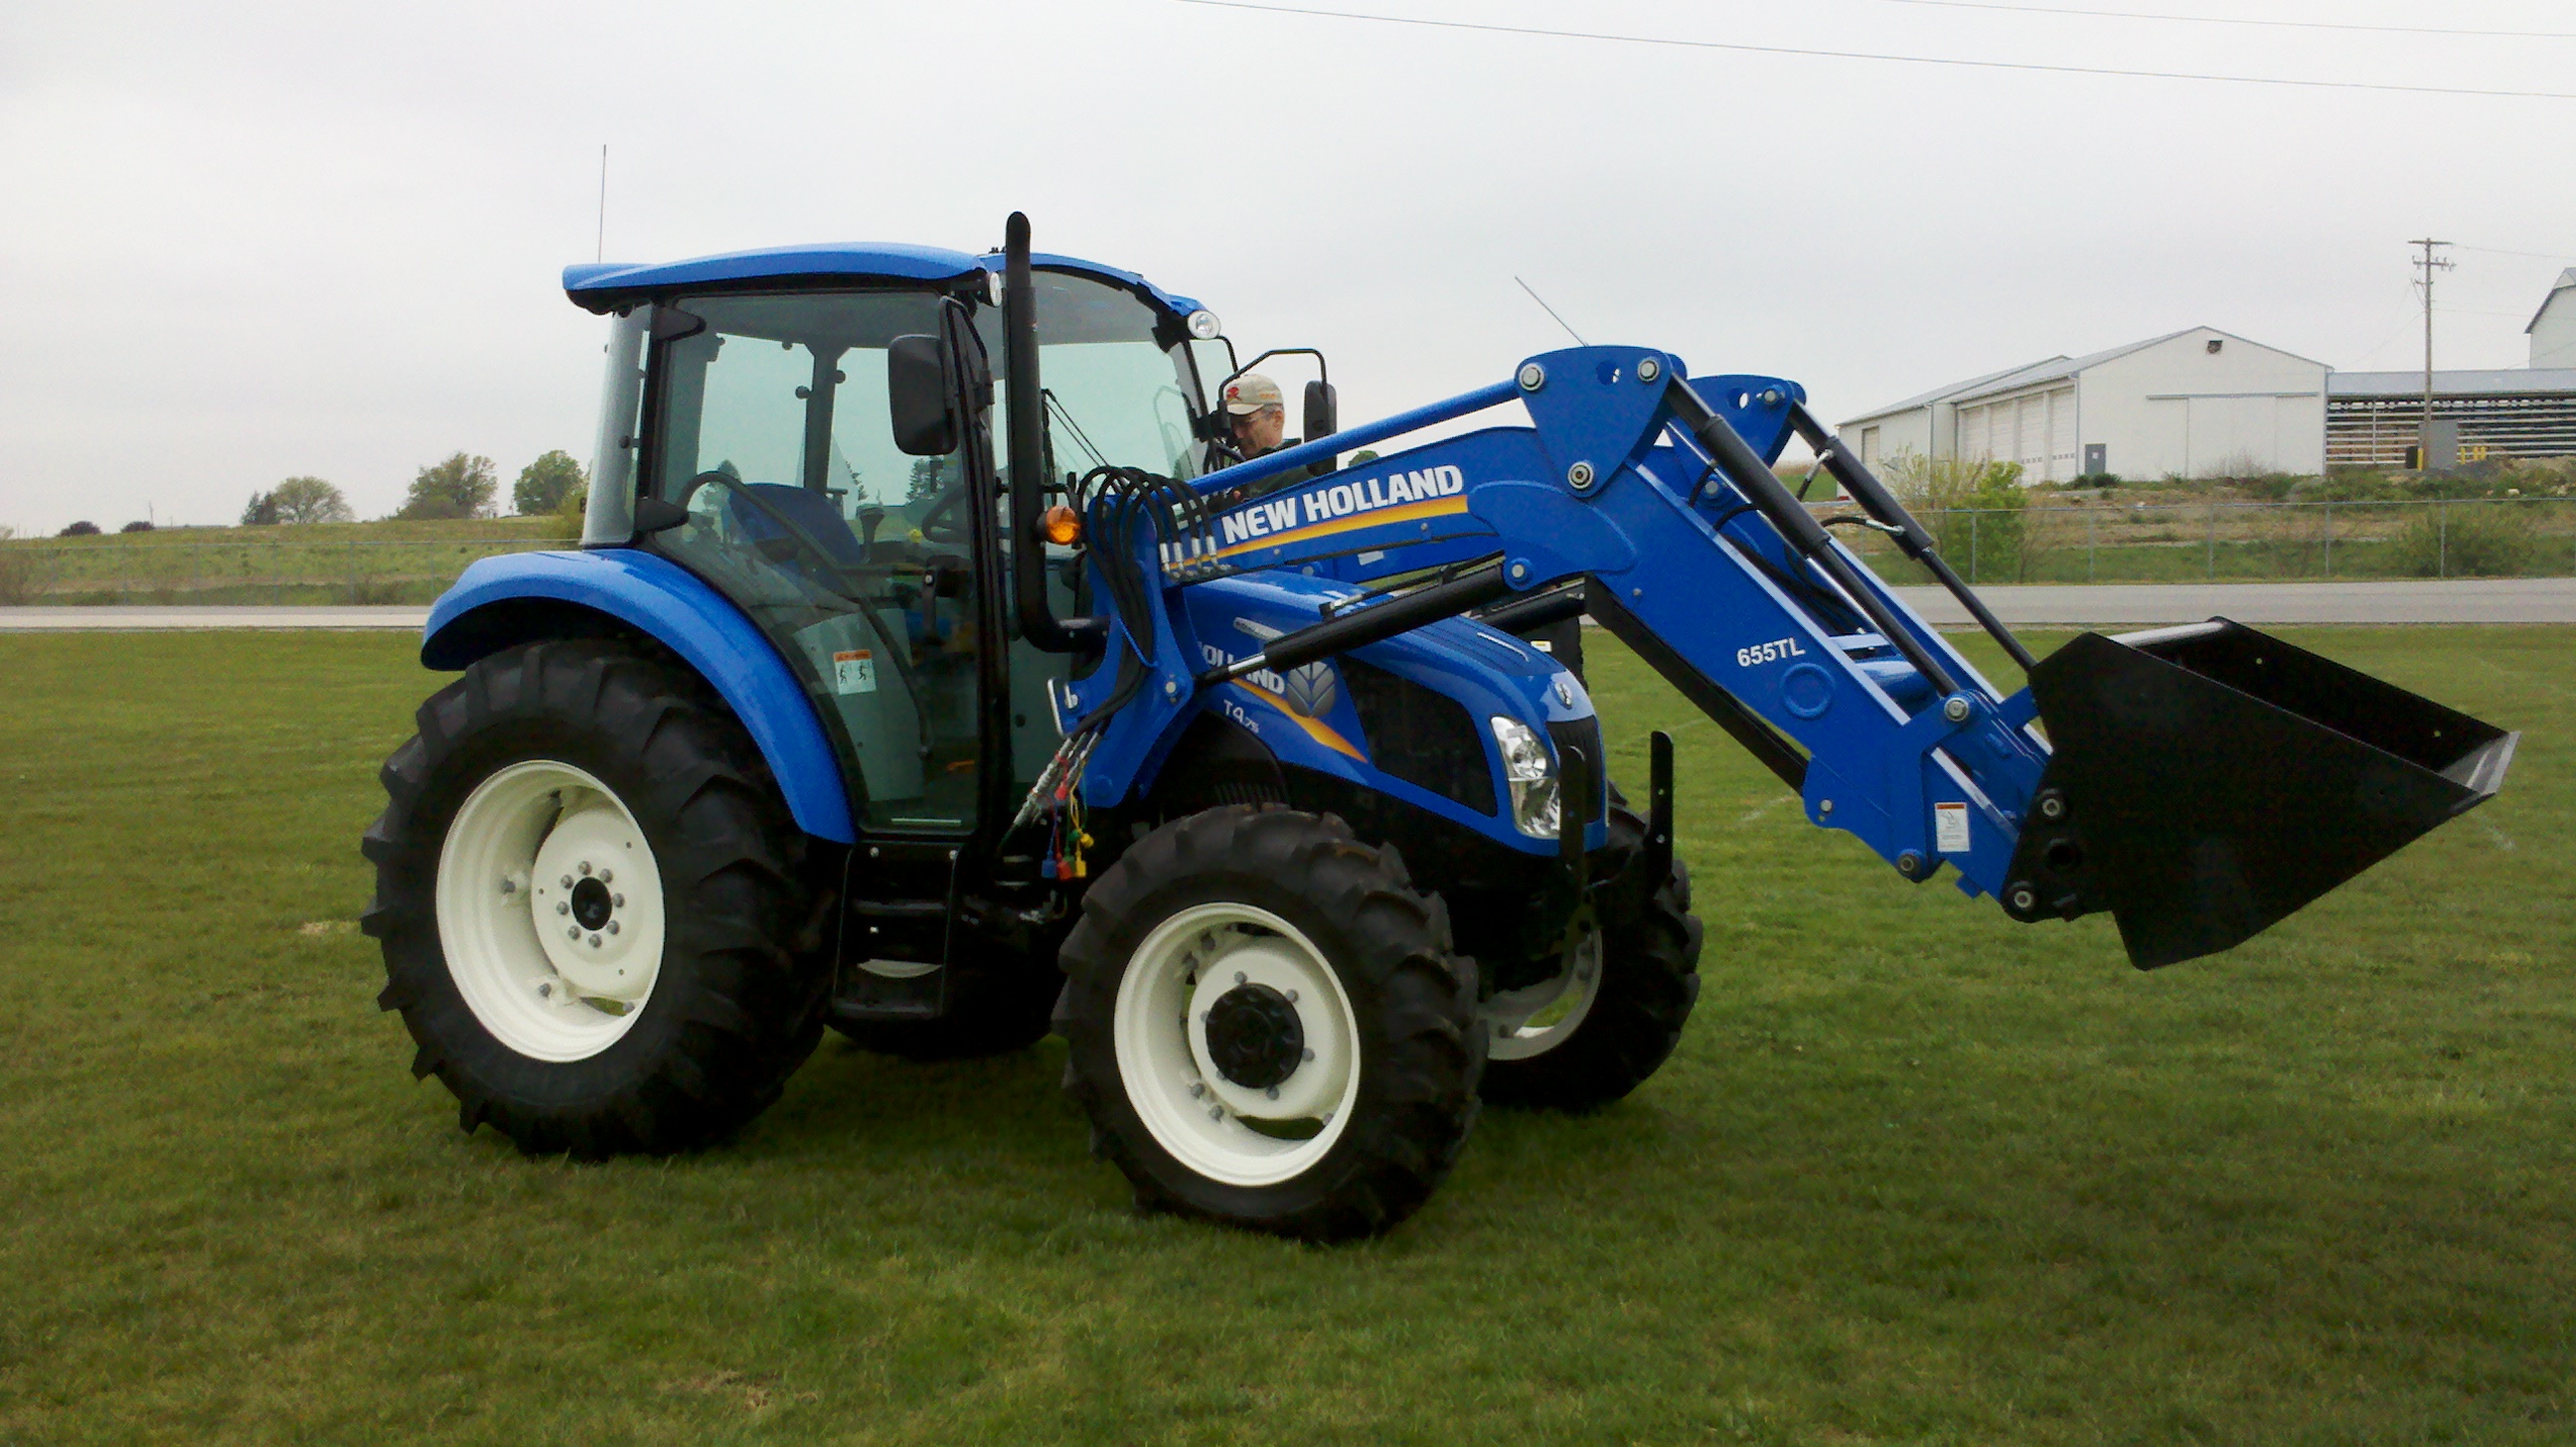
[1272, 784]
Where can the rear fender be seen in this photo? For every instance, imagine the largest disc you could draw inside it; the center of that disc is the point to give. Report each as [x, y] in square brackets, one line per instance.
[504, 601]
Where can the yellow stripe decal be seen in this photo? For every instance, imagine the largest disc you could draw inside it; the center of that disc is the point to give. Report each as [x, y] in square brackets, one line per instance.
[1401, 513]
[1322, 733]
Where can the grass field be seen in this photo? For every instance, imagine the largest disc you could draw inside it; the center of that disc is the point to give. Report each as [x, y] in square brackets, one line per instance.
[372, 562]
[1918, 1175]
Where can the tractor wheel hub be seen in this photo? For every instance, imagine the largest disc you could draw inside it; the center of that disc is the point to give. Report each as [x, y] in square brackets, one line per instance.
[1254, 1036]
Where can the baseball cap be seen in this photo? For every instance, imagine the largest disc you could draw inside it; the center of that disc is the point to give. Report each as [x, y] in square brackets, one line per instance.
[1250, 393]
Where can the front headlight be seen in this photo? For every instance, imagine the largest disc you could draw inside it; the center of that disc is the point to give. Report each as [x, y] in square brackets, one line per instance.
[1531, 772]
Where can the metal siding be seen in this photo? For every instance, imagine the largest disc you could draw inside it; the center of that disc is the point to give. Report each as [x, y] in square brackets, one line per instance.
[2061, 434]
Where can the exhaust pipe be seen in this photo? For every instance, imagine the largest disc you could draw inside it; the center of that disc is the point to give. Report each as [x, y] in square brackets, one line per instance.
[2210, 780]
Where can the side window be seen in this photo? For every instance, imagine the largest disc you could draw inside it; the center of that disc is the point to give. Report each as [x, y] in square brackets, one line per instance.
[771, 430]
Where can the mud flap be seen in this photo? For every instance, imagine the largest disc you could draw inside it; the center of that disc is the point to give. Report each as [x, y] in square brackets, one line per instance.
[2207, 781]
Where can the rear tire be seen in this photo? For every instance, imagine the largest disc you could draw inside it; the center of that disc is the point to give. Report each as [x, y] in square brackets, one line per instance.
[1629, 989]
[672, 1008]
[1268, 1026]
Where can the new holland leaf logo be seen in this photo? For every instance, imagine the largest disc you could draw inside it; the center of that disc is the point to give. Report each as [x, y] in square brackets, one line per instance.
[1310, 689]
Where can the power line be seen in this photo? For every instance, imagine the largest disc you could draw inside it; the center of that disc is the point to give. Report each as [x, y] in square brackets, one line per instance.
[2240, 20]
[2559, 256]
[1881, 55]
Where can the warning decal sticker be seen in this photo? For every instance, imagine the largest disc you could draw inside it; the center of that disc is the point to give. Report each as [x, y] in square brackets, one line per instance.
[1950, 828]
[855, 671]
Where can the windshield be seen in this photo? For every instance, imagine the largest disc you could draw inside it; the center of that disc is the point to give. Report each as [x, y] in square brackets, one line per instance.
[1120, 389]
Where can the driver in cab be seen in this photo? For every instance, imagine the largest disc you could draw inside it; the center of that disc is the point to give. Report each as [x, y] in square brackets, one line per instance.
[1256, 414]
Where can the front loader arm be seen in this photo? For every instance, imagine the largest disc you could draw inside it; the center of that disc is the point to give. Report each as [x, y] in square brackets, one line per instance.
[1606, 487]
[1639, 484]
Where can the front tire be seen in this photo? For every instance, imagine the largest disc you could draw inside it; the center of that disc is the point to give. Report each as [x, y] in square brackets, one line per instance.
[587, 890]
[1614, 1010]
[1268, 1026]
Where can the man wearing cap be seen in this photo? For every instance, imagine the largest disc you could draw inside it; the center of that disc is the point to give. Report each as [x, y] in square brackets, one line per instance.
[1256, 413]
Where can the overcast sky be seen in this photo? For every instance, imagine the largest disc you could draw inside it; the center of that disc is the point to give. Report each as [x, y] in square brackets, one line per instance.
[254, 241]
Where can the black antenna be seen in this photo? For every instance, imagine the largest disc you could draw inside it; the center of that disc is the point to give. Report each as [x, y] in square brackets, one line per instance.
[1551, 311]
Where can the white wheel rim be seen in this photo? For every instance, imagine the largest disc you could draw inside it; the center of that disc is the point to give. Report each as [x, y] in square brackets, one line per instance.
[1223, 1130]
[555, 971]
[1537, 1019]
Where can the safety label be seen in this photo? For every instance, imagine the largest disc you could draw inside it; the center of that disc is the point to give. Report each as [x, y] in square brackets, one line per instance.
[1950, 828]
[855, 671]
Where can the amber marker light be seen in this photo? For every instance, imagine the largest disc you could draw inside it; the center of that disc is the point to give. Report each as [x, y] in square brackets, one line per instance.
[1062, 526]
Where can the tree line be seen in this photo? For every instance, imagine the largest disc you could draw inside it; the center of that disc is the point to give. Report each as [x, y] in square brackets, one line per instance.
[460, 485]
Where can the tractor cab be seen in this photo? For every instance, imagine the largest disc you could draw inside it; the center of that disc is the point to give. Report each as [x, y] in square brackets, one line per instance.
[764, 425]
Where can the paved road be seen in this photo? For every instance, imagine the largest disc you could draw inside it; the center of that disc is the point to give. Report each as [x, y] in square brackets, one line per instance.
[2486, 600]
[2503, 600]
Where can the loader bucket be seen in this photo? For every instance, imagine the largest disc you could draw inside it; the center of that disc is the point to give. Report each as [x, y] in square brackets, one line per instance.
[2217, 779]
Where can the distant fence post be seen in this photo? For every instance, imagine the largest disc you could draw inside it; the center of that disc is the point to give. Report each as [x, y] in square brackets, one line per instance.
[2212, 562]
[1972, 546]
[2442, 538]
[2089, 520]
[2329, 538]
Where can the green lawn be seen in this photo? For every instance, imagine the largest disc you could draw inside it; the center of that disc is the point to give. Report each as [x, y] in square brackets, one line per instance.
[323, 563]
[1918, 1175]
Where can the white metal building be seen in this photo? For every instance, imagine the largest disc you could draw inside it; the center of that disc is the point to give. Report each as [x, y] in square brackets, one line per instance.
[2195, 403]
[2553, 327]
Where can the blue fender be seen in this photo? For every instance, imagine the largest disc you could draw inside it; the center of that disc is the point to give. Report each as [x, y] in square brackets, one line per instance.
[662, 599]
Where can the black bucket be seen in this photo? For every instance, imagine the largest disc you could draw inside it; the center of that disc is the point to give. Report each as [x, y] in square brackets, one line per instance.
[2207, 781]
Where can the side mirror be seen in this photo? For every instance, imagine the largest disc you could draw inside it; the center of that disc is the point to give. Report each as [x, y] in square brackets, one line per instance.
[920, 398]
[1321, 418]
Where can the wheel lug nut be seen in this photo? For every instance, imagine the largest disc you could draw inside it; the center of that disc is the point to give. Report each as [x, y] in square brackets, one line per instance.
[545, 991]
[573, 933]
[585, 866]
[607, 876]
[1216, 1112]
[1272, 1092]
[1307, 1054]
[509, 886]
[1198, 1090]
[1238, 977]
[567, 881]
[562, 908]
[617, 901]
[1292, 997]
[594, 942]
[612, 926]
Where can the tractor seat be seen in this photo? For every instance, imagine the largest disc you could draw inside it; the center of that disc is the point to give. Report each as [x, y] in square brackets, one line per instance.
[810, 511]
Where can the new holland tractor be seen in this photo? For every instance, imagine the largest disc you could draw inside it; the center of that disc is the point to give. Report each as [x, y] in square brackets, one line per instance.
[1271, 785]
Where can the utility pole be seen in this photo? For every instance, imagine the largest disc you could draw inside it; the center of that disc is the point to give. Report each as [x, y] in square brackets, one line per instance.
[2427, 264]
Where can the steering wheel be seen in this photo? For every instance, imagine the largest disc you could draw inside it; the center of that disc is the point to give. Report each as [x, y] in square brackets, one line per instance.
[937, 526]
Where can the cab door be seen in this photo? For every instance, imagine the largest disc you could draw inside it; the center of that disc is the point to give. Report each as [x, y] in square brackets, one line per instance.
[872, 570]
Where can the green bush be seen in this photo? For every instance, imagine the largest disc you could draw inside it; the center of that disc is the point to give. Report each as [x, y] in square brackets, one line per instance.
[1975, 513]
[23, 571]
[2482, 540]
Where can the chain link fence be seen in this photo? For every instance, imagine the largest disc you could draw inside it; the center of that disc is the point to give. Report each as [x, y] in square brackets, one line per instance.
[2111, 541]
[253, 571]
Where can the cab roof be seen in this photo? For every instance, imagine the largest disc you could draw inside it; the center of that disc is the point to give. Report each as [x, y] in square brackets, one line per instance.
[602, 287]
